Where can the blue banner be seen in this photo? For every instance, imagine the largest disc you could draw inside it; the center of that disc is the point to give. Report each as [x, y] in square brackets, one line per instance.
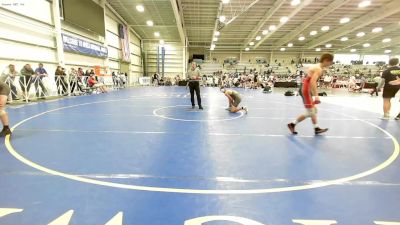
[77, 45]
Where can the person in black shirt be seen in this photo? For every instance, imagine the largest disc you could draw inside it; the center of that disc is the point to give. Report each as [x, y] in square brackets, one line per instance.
[389, 91]
[396, 82]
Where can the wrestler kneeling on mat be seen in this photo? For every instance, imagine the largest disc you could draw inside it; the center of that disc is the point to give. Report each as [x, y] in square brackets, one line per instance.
[309, 89]
[4, 93]
[234, 100]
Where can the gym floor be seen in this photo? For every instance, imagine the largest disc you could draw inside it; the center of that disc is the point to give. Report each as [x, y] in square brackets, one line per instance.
[142, 156]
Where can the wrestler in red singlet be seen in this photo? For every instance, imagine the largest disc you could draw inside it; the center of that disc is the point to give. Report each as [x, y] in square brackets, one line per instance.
[306, 93]
[308, 90]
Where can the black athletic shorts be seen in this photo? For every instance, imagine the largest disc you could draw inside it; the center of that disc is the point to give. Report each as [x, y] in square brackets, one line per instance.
[390, 92]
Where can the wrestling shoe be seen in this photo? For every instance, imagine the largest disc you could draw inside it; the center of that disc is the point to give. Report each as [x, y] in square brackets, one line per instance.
[246, 109]
[320, 131]
[193, 106]
[397, 117]
[292, 127]
[200, 107]
[5, 132]
[385, 117]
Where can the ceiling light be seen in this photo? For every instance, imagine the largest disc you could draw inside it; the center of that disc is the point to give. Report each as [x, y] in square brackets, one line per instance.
[290, 45]
[353, 50]
[157, 34]
[302, 38]
[314, 32]
[251, 43]
[284, 19]
[345, 20]
[150, 23]
[258, 38]
[360, 34]
[140, 8]
[225, 1]
[318, 49]
[272, 27]
[377, 30]
[325, 28]
[388, 51]
[283, 49]
[364, 4]
[265, 32]
[328, 45]
[215, 39]
[162, 42]
[212, 49]
[217, 33]
[213, 46]
[386, 40]
[247, 49]
[344, 39]
[222, 19]
[366, 45]
[295, 2]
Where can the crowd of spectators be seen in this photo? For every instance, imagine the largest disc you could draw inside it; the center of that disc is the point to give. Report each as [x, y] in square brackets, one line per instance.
[353, 77]
[72, 82]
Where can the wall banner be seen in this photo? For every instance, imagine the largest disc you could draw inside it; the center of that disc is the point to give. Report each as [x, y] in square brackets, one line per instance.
[80, 46]
[124, 39]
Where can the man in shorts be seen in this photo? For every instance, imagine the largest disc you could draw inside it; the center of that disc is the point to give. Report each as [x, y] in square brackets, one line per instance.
[396, 82]
[389, 91]
[234, 100]
[4, 93]
[308, 90]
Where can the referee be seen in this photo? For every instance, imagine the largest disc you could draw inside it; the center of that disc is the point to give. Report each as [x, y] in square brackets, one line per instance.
[194, 84]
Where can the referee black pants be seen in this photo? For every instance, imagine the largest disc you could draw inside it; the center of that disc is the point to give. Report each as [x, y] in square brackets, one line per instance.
[194, 86]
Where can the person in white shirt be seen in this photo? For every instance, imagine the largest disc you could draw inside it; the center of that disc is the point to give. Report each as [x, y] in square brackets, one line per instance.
[8, 77]
[194, 84]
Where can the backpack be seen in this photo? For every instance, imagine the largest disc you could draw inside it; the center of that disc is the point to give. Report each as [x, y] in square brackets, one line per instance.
[267, 89]
[289, 93]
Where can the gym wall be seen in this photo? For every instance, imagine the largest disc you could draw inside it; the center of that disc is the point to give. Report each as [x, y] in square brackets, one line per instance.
[136, 67]
[27, 35]
[174, 58]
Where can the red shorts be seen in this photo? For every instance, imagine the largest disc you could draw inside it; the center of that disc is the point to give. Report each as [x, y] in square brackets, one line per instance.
[306, 94]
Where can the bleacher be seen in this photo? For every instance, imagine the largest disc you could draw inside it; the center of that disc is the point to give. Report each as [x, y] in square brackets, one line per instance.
[208, 68]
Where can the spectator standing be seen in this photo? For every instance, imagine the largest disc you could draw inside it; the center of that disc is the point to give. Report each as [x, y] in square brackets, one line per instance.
[74, 79]
[8, 77]
[38, 81]
[27, 79]
[60, 81]
[377, 81]
[156, 78]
